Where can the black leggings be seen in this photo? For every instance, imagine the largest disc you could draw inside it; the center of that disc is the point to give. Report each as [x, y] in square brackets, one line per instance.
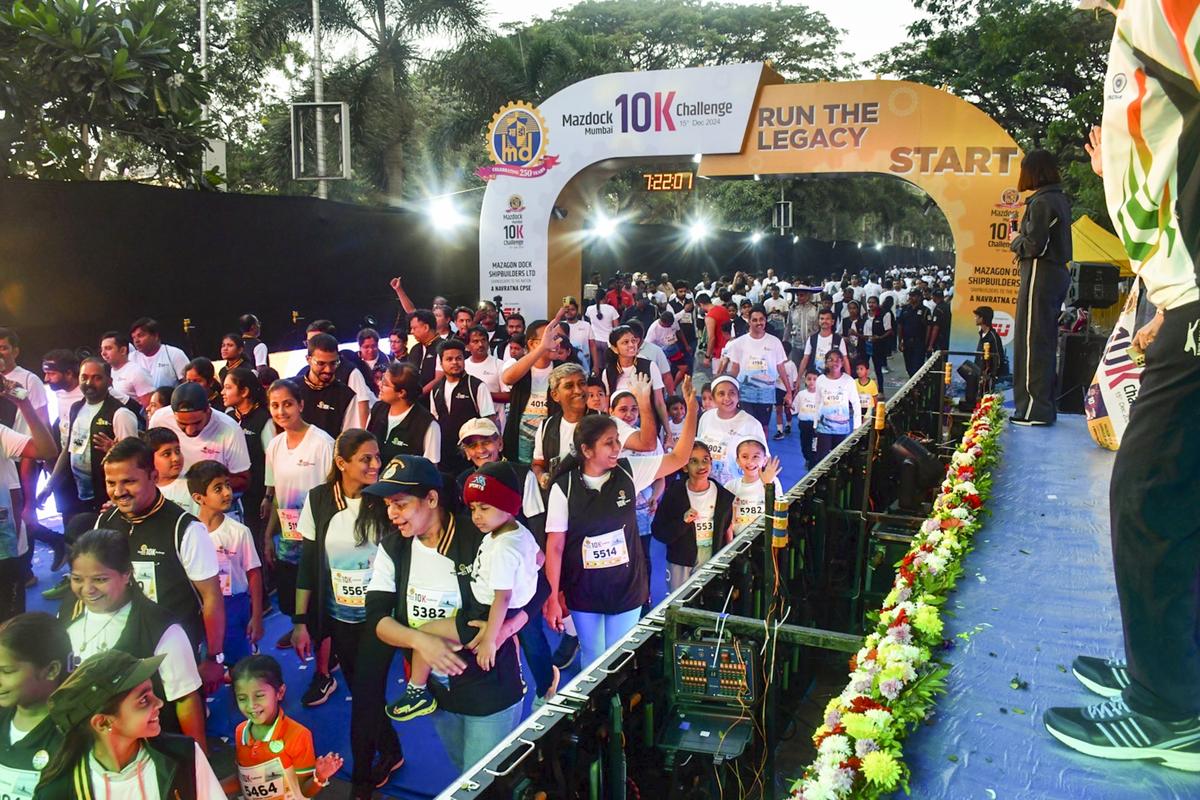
[285, 585]
[365, 663]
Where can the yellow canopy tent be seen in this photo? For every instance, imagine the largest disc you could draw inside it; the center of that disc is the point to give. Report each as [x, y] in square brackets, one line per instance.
[1092, 243]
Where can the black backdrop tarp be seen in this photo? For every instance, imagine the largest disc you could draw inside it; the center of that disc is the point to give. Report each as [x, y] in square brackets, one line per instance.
[77, 259]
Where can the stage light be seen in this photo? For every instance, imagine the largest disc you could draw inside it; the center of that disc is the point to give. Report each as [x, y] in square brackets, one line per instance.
[696, 158]
[860, 245]
[755, 237]
[920, 471]
[604, 226]
[698, 231]
[795, 240]
[443, 214]
[756, 176]
[879, 245]
[931, 248]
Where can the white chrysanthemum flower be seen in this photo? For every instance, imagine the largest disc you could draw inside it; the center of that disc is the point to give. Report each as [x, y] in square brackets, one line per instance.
[879, 716]
[960, 513]
[966, 487]
[836, 745]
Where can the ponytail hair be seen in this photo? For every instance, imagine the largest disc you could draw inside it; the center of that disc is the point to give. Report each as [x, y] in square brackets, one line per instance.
[372, 520]
[77, 743]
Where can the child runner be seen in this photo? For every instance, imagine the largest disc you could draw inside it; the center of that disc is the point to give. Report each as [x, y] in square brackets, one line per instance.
[168, 463]
[676, 409]
[693, 516]
[726, 425]
[750, 489]
[503, 579]
[114, 745]
[840, 411]
[275, 755]
[707, 401]
[34, 653]
[806, 405]
[868, 389]
[597, 396]
[238, 569]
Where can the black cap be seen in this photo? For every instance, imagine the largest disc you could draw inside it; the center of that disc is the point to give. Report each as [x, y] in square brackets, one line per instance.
[405, 474]
[189, 397]
[97, 681]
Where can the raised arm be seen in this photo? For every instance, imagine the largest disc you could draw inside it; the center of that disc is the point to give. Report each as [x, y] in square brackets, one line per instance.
[678, 457]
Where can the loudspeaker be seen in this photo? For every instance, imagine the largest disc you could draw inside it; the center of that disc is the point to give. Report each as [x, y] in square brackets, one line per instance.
[1080, 355]
[1093, 285]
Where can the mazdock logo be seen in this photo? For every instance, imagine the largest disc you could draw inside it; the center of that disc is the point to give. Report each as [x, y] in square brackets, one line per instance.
[517, 142]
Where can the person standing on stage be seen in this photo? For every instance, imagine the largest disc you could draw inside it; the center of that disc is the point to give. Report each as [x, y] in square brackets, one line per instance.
[593, 550]
[1043, 249]
[1152, 193]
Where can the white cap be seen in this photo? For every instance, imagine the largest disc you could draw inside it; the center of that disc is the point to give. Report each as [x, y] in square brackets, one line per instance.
[480, 426]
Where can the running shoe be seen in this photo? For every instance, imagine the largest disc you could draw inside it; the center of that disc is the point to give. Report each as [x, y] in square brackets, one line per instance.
[1104, 676]
[778, 436]
[412, 704]
[319, 690]
[1114, 731]
[384, 766]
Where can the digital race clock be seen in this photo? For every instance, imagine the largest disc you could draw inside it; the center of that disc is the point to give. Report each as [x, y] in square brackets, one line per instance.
[669, 181]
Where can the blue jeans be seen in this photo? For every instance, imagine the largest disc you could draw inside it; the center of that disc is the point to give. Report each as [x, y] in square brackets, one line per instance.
[237, 617]
[598, 632]
[468, 739]
[536, 648]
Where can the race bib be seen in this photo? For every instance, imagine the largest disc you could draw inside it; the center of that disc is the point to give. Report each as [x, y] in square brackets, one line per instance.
[223, 576]
[350, 587]
[289, 518]
[704, 532]
[535, 411]
[428, 604]
[264, 781]
[145, 573]
[17, 784]
[756, 364]
[747, 513]
[717, 450]
[605, 550]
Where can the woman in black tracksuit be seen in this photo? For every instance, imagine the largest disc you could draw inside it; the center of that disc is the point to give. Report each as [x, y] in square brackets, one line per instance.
[1043, 249]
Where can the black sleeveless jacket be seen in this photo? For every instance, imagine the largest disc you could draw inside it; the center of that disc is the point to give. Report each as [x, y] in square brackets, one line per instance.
[174, 759]
[406, 439]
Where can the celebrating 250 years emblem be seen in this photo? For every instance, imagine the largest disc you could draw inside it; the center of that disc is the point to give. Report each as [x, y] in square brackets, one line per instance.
[516, 142]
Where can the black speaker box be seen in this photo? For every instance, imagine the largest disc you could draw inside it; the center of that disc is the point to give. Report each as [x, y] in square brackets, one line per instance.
[1080, 355]
[1093, 285]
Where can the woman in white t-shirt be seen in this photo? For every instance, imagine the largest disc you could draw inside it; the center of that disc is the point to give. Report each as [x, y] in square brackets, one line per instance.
[840, 413]
[593, 550]
[296, 460]
[110, 612]
[721, 428]
[342, 527]
[603, 318]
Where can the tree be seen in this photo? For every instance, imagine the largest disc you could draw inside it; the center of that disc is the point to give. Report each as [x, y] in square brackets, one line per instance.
[81, 80]
[1035, 66]
[380, 120]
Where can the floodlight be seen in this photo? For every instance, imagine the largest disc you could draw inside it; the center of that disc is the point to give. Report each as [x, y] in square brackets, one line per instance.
[443, 214]
[696, 158]
[604, 226]
[795, 240]
[879, 245]
[755, 237]
[698, 230]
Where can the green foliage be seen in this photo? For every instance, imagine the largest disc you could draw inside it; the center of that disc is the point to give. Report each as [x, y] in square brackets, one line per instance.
[1035, 66]
[83, 79]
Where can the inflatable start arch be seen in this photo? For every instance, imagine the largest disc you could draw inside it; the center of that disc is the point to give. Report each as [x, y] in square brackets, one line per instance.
[744, 121]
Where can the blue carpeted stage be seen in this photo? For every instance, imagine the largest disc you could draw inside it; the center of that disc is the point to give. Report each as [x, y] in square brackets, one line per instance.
[1038, 591]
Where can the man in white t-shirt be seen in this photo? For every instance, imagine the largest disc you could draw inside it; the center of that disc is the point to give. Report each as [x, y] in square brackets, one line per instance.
[164, 363]
[758, 361]
[127, 377]
[10, 351]
[817, 345]
[204, 435]
[873, 287]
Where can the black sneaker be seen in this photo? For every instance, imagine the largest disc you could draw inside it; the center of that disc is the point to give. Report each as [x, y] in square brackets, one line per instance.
[778, 436]
[567, 649]
[384, 766]
[1106, 677]
[412, 704]
[1113, 730]
[319, 690]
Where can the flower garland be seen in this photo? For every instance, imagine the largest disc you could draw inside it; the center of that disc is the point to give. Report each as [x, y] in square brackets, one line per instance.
[894, 678]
